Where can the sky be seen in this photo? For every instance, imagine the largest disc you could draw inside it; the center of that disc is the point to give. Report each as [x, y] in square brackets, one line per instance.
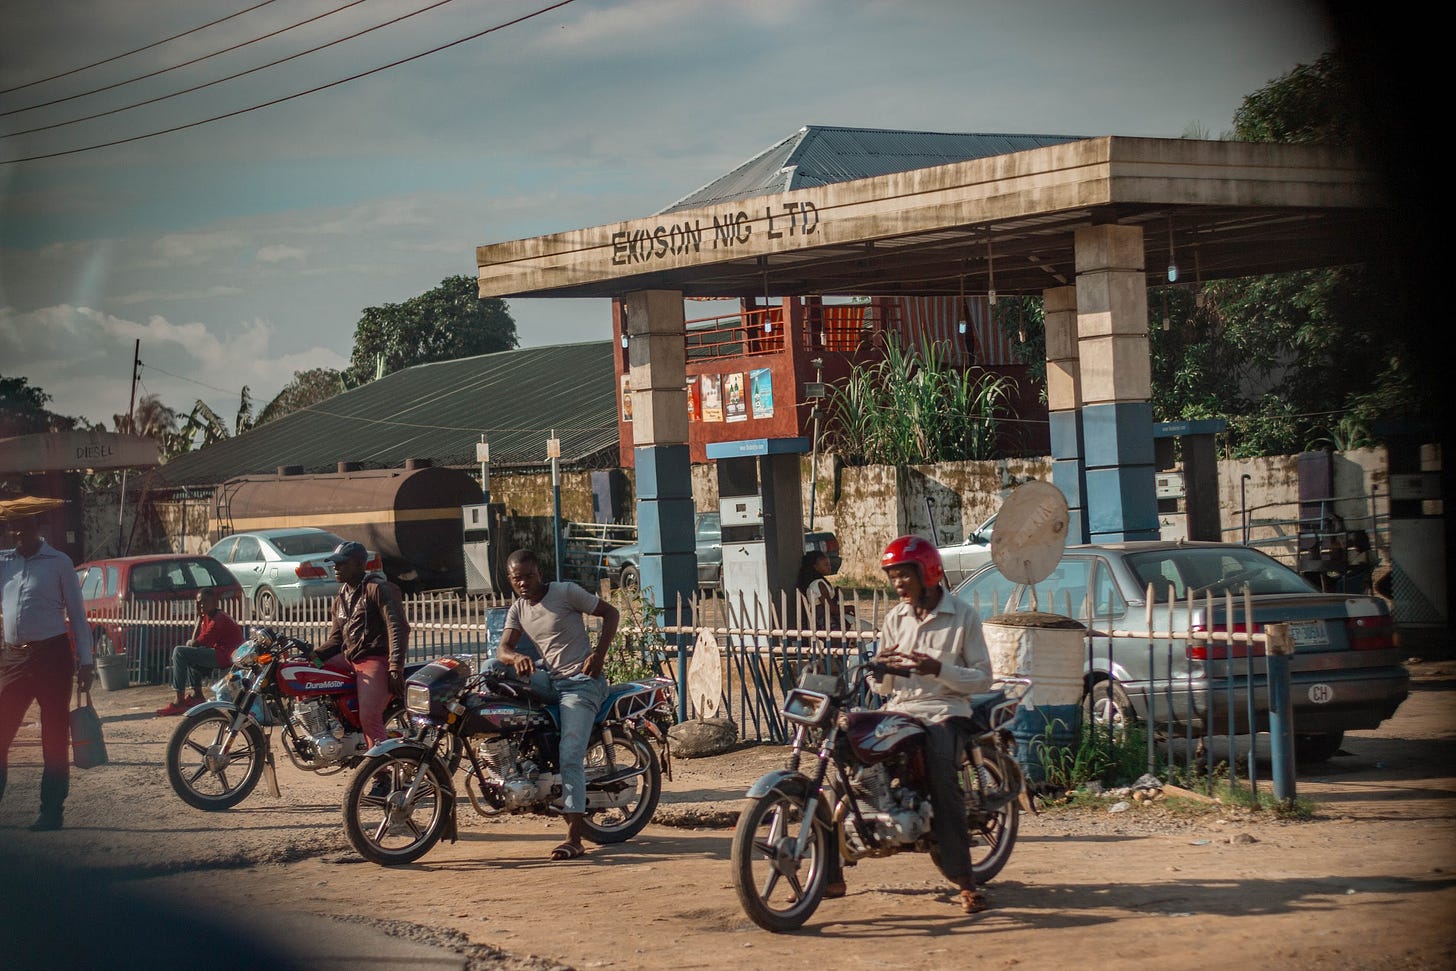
[241, 250]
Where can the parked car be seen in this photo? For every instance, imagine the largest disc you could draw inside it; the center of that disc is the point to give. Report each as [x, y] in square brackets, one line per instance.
[623, 564]
[170, 581]
[1347, 671]
[963, 559]
[283, 566]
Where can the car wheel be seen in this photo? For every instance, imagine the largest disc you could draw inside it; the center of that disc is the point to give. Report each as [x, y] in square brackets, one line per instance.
[629, 579]
[266, 604]
[1309, 749]
[1107, 706]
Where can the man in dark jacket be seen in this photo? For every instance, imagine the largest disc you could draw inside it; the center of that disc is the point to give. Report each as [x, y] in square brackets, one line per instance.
[370, 636]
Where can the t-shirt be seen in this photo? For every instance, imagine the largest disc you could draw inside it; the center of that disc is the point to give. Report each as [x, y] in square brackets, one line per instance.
[221, 633]
[555, 625]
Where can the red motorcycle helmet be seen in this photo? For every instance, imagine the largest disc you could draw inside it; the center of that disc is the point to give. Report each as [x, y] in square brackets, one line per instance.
[919, 553]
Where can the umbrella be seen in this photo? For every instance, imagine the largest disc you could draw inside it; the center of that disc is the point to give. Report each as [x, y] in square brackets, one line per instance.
[23, 506]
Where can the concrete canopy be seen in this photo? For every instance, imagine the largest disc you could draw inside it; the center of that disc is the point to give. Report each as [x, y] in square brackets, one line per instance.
[1231, 208]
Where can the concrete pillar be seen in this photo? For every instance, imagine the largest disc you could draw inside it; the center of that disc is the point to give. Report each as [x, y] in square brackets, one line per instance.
[657, 369]
[1064, 403]
[1120, 499]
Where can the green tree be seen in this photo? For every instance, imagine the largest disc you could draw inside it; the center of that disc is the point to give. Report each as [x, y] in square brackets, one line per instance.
[1292, 361]
[443, 324]
[23, 410]
[306, 389]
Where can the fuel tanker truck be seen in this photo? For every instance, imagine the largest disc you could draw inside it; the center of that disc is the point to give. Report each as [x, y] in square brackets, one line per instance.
[411, 516]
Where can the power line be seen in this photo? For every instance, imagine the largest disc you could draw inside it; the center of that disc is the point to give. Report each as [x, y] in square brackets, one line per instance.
[203, 384]
[138, 50]
[195, 60]
[230, 77]
[290, 97]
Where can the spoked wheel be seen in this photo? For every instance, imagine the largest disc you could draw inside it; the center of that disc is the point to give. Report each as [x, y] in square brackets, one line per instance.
[386, 822]
[631, 781]
[778, 889]
[211, 768]
[994, 814]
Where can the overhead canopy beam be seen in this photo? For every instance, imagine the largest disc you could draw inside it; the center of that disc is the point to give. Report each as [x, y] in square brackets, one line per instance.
[1229, 208]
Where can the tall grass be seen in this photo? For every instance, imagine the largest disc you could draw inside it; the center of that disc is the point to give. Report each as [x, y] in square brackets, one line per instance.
[914, 406]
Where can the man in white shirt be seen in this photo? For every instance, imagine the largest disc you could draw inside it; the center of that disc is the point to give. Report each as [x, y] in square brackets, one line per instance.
[938, 637]
[550, 614]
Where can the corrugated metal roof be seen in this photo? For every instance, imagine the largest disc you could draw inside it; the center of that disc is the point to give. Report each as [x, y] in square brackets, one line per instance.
[436, 411]
[818, 155]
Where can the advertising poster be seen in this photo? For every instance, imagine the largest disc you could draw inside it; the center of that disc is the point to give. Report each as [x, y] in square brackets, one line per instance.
[711, 388]
[735, 397]
[695, 401]
[760, 382]
[626, 398]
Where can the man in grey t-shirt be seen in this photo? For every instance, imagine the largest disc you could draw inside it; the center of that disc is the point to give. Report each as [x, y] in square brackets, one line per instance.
[550, 614]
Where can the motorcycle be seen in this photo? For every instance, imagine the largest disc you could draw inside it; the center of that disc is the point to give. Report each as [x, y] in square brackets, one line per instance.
[876, 800]
[222, 748]
[403, 799]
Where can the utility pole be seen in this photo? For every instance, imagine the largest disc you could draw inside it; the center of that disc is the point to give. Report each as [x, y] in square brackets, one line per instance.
[136, 372]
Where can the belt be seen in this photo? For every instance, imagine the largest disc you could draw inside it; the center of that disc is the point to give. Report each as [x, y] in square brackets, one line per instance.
[31, 645]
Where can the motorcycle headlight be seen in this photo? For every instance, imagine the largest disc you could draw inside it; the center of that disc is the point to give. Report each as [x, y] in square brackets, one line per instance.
[417, 698]
[246, 655]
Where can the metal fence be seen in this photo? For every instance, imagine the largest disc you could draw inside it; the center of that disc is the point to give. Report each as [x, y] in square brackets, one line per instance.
[763, 648]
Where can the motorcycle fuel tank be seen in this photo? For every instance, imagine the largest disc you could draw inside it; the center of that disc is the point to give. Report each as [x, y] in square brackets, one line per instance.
[490, 715]
[306, 680]
[877, 735]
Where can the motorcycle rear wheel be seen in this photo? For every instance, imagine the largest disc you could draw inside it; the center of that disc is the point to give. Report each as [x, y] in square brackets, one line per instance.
[621, 822]
[381, 823]
[199, 772]
[993, 833]
[778, 892]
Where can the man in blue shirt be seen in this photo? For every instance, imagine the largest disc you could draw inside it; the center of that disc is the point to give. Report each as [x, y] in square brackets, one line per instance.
[39, 594]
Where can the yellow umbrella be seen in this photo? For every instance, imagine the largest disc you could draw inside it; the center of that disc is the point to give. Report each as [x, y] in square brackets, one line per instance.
[28, 506]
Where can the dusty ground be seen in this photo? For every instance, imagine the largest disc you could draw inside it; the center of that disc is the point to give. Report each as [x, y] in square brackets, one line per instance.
[1370, 882]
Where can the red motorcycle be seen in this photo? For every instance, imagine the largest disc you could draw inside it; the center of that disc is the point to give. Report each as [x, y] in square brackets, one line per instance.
[222, 748]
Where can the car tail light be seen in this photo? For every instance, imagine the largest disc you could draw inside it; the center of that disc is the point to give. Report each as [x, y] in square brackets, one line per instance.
[831, 545]
[310, 571]
[1371, 633]
[374, 563]
[1218, 651]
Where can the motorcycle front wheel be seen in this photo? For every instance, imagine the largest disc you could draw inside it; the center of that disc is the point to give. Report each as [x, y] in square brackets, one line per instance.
[617, 811]
[778, 889]
[383, 821]
[203, 774]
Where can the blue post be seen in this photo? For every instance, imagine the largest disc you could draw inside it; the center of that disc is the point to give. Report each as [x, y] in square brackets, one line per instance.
[1281, 711]
[682, 676]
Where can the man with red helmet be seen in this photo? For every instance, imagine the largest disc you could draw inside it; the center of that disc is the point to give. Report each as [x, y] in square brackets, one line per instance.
[938, 637]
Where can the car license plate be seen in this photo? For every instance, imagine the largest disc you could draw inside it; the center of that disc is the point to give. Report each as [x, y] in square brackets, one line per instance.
[1308, 633]
[1321, 694]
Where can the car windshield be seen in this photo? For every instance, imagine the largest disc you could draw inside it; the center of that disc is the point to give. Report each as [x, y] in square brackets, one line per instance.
[1217, 570]
[305, 544]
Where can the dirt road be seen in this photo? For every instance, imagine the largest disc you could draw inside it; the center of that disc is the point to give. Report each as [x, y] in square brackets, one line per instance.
[1369, 883]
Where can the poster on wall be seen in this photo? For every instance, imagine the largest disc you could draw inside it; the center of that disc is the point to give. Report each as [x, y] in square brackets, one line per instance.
[626, 398]
[760, 383]
[735, 397]
[711, 388]
[695, 401]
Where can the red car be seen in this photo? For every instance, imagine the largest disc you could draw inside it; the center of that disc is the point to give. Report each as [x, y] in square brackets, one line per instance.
[159, 588]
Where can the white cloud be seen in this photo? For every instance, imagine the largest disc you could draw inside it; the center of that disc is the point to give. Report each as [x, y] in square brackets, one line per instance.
[193, 248]
[280, 254]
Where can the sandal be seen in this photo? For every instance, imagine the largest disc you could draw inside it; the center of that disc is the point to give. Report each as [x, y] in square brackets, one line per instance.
[567, 851]
[973, 901]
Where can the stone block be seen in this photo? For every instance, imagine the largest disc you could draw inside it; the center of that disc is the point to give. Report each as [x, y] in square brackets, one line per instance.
[654, 312]
[657, 361]
[1121, 504]
[1108, 248]
[1114, 369]
[666, 526]
[1120, 434]
[663, 472]
[660, 416]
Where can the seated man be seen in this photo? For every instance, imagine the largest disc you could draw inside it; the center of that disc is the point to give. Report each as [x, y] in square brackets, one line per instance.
[214, 638]
[550, 614]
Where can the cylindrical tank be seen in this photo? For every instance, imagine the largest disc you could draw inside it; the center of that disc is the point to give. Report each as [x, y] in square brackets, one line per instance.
[410, 516]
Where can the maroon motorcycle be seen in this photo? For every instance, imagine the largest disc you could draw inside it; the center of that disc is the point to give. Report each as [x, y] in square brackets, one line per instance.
[865, 794]
[222, 748]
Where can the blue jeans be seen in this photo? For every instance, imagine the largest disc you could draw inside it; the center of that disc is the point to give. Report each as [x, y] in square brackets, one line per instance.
[188, 663]
[579, 700]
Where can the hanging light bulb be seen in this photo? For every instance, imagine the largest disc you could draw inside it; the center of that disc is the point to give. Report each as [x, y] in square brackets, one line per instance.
[962, 307]
[1172, 263]
[990, 271]
[624, 340]
[767, 320]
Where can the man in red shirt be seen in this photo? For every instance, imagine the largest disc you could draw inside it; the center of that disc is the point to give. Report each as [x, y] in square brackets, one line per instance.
[214, 638]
